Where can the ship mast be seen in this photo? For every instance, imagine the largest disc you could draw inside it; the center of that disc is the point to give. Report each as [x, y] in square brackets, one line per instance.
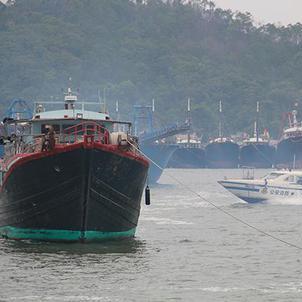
[293, 122]
[189, 119]
[256, 125]
[102, 100]
[117, 111]
[294, 114]
[117, 114]
[220, 122]
[151, 126]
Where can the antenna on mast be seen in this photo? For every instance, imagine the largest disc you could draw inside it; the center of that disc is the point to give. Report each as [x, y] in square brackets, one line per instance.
[153, 105]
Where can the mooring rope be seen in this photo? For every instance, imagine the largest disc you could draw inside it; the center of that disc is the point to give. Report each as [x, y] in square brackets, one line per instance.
[219, 208]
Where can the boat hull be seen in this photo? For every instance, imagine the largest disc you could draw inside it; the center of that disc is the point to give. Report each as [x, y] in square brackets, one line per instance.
[257, 193]
[188, 158]
[222, 155]
[159, 154]
[78, 193]
[245, 191]
[257, 155]
[289, 153]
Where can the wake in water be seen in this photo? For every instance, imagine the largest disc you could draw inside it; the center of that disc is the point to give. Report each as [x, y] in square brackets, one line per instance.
[283, 201]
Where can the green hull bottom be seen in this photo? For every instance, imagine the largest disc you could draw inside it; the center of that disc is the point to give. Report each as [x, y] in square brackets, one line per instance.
[61, 235]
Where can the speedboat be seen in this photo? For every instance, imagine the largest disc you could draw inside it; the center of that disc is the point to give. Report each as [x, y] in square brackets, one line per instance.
[280, 185]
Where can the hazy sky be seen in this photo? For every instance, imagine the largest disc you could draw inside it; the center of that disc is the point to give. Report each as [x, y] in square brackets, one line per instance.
[264, 11]
[273, 11]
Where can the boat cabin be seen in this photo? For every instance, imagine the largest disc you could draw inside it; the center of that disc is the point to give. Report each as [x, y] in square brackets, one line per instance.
[70, 124]
[292, 177]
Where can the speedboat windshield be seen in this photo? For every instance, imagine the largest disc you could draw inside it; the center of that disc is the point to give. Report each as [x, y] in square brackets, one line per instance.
[289, 178]
[299, 180]
[273, 175]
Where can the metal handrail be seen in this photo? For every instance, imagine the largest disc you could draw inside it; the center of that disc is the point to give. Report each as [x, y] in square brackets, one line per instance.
[26, 144]
[76, 132]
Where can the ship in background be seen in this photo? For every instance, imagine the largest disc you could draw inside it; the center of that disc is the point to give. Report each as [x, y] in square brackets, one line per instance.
[289, 147]
[152, 139]
[222, 152]
[190, 153]
[256, 151]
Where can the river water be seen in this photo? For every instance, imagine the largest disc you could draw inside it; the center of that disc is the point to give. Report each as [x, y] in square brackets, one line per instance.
[184, 250]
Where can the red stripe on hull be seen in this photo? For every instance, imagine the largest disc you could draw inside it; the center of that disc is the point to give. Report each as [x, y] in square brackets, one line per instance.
[115, 149]
[62, 148]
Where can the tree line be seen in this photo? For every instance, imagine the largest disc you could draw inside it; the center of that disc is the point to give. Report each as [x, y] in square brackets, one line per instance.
[136, 51]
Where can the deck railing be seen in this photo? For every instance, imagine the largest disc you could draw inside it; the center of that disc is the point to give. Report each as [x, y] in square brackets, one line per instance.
[78, 132]
[83, 132]
[37, 143]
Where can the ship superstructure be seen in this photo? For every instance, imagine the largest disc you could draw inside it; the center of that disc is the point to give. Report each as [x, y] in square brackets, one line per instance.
[289, 147]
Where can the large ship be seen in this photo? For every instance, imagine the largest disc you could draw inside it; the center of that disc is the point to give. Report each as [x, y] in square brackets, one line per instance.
[189, 154]
[68, 176]
[256, 151]
[289, 147]
[222, 152]
[152, 140]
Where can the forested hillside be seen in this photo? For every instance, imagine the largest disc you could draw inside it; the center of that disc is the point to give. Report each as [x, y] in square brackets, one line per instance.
[169, 51]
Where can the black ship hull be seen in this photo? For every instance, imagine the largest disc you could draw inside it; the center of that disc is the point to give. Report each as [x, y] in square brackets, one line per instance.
[223, 155]
[289, 153]
[188, 158]
[257, 155]
[76, 193]
[159, 154]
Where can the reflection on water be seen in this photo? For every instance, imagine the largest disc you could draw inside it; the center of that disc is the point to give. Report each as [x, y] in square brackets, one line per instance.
[124, 246]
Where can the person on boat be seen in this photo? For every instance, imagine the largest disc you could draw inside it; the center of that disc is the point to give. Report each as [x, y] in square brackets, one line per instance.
[48, 139]
[51, 137]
